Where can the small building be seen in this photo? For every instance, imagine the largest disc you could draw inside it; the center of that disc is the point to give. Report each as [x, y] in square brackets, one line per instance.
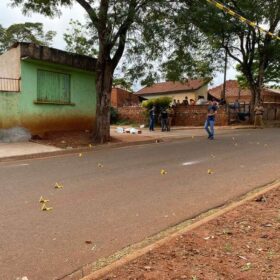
[235, 92]
[121, 97]
[45, 89]
[193, 89]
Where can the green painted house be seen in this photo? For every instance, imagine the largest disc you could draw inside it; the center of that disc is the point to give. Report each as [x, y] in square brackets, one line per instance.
[45, 89]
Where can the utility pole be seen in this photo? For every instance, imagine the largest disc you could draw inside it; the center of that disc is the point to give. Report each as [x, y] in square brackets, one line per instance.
[223, 95]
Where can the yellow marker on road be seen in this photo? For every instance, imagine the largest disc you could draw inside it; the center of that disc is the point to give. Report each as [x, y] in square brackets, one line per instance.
[210, 171]
[163, 172]
[45, 208]
[58, 186]
[42, 200]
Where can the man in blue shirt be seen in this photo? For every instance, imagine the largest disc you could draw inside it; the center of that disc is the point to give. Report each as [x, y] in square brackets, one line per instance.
[210, 121]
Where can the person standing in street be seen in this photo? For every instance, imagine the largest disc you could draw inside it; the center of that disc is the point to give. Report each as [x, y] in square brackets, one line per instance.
[152, 115]
[259, 110]
[170, 112]
[164, 120]
[210, 121]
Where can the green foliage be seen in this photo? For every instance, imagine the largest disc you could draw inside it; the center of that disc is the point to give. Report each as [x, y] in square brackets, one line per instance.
[123, 83]
[113, 115]
[160, 102]
[80, 39]
[25, 32]
[256, 53]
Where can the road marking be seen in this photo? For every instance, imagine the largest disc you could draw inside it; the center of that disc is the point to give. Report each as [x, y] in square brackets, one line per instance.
[17, 165]
[188, 163]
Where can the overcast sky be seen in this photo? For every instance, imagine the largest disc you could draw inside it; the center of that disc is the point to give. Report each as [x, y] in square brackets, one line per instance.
[9, 15]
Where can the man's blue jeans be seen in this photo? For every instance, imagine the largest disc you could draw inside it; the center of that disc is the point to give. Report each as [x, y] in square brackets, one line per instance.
[152, 123]
[210, 123]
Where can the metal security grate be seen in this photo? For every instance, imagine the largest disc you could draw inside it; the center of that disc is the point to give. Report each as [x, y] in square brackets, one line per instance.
[9, 84]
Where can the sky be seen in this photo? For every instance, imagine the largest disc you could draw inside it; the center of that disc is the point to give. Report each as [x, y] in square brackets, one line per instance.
[9, 15]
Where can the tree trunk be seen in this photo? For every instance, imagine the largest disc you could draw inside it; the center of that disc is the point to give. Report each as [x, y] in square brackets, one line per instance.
[103, 102]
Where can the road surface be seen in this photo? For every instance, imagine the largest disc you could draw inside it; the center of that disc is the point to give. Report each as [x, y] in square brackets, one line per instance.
[123, 202]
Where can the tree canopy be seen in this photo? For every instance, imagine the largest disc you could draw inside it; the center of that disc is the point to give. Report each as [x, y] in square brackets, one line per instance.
[255, 52]
[25, 32]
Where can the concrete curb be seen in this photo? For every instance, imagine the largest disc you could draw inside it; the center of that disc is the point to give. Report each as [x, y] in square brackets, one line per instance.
[85, 273]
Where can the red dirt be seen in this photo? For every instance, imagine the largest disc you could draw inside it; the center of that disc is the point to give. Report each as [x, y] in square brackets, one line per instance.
[241, 244]
[81, 139]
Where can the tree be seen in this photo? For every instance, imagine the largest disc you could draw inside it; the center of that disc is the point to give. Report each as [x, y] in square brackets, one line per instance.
[112, 21]
[24, 32]
[80, 39]
[255, 52]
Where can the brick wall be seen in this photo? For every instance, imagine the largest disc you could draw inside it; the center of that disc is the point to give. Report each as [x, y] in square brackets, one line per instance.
[184, 115]
[135, 114]
[196, 115]
[121, 97]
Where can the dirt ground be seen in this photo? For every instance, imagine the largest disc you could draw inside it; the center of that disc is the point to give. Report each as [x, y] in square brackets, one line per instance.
[68, 139]
[81, 139]
[241, 244]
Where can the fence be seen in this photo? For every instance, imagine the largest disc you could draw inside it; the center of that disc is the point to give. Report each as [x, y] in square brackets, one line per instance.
[9, 84]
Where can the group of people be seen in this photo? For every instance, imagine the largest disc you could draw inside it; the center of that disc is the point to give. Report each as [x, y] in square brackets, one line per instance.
[166, 115]
[186, 101]
[165, 118]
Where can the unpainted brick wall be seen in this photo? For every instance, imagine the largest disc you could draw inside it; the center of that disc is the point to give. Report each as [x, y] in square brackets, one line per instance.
[184, 115]
[121, 97]
[196, 115]
[135, 114]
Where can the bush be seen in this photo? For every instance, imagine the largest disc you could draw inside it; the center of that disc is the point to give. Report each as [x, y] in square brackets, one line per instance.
[159, 103]
[113, 115]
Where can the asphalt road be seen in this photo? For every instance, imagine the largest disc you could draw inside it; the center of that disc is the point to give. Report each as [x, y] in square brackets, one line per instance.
[123, 202]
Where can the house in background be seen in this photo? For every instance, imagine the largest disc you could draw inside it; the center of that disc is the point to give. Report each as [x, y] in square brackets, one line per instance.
[45, 89]
[235, 92]
[193, 89]
[121, 97]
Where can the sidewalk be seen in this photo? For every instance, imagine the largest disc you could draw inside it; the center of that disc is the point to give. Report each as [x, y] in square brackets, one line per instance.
[175, 133]
[73, 142]
[24, 148]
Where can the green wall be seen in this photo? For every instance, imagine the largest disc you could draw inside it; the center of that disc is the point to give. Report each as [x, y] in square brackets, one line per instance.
[21, 109]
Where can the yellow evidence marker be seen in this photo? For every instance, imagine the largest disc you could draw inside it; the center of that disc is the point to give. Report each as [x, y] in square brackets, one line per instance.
[163, 172]
[210, 171]
[45, 208]
[57, 186]
[42, 200]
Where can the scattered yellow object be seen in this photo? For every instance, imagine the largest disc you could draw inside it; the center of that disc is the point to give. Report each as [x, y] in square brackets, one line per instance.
[42, 200]
[45, 208]
[100, 165]
[210, 171]
[57, 186]
[163, 172]
[80, 154]
[90, 146]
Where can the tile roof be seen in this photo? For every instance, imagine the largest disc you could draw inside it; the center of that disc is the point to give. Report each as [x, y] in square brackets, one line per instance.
[170, 86]
[232, 90]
